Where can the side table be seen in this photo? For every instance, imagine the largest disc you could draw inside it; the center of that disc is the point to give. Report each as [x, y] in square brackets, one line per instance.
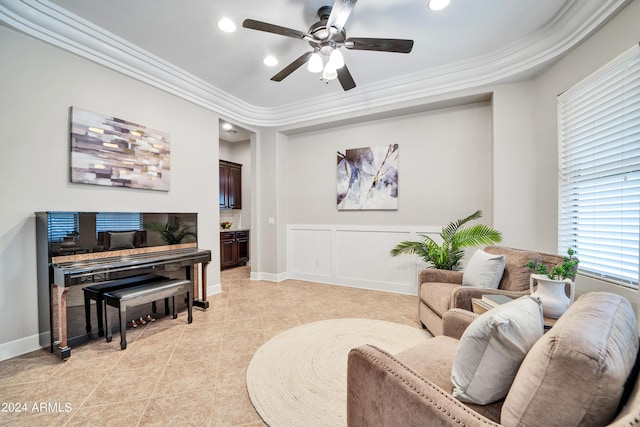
[480, 307]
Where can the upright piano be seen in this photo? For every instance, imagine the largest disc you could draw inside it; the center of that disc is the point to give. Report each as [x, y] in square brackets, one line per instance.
[64, 270]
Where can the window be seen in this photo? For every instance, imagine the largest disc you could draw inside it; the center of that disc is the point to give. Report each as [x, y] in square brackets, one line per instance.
[62, 224]
[118, 221]
[599, 171]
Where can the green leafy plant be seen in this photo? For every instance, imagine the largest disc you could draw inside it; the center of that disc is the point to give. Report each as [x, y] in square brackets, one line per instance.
[567, 269]
[172, 233]
[455, 237]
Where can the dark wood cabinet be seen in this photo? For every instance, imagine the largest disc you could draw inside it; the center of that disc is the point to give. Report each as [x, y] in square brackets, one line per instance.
[234, 248]
[230, 196]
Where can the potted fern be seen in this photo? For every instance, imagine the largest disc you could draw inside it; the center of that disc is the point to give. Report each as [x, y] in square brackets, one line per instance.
[455, 237]
[172, 232]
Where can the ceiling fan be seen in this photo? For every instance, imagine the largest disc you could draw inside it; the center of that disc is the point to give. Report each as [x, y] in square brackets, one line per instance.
[326, 37]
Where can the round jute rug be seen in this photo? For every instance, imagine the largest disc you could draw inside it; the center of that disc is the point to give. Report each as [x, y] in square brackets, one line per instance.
[299, 378]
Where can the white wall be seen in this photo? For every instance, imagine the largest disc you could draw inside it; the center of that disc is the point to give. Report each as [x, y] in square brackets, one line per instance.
[38, 84]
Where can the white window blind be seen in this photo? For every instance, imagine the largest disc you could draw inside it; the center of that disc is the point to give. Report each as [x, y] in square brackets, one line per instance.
[599, 170]
[118, 221]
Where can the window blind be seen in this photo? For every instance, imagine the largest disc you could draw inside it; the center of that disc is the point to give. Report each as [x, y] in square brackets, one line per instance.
[118, 221]
[62, 224]
[599, 170]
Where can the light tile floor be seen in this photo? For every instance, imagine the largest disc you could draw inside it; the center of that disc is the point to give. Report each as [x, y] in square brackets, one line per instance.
[174, 373]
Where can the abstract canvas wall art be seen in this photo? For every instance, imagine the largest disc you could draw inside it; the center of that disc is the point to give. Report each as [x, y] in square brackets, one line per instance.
[110, 151]
[368, 178]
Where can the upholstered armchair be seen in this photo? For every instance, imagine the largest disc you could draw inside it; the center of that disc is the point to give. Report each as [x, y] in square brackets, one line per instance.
[441, 290]
[582, 372]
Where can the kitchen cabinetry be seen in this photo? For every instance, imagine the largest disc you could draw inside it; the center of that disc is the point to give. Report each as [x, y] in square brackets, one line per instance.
[230, 196]
[234, 248]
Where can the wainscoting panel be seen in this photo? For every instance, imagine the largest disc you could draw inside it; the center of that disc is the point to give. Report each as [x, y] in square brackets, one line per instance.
[353, 255]
[311, 252]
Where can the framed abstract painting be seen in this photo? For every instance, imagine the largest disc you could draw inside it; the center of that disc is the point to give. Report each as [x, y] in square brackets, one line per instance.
[367, 178]
[115, 152]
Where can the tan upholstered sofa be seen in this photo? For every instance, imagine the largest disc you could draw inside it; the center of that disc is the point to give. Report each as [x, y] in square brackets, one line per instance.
[574, 375]
[441, 290]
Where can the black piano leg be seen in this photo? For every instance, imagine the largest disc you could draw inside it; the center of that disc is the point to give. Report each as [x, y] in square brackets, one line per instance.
[173, 303]
[189, 308]
[107, 321]
[154, 309]
[166, 306]
[99, 308]
[87, 313]
[123, 327]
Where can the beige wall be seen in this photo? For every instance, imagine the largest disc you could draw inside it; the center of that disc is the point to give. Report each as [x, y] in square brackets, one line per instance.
[613, 39]
[444, 162]
[38, 84]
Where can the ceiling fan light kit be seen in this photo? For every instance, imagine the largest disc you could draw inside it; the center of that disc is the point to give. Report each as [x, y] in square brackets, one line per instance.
[326, 37]
[336, 59]
[330, 72]
[315, 63]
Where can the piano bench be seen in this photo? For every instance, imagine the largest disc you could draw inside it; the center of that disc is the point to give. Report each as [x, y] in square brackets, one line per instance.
[149, 292]
[96, 292]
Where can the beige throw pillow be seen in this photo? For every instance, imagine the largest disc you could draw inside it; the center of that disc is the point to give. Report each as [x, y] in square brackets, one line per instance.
[492, 348]
[484, 270]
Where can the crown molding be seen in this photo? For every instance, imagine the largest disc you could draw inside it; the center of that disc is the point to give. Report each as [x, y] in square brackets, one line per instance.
[52, 24]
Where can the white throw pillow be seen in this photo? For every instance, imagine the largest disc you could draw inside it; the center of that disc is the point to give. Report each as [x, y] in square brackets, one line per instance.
[492, 348]
[484, 270]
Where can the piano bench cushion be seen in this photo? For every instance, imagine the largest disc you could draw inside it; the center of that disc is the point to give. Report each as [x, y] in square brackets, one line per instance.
[167, 288]
[96, 291]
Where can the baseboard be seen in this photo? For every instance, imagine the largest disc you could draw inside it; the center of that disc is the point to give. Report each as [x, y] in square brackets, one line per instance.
[213, 290]
[269, 277]
[20, 346]
[396, 288]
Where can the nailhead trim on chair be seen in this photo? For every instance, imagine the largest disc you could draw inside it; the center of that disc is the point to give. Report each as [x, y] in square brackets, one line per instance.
[389, 369]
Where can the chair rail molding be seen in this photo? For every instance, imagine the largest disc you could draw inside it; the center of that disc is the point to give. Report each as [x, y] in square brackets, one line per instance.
[55, 25]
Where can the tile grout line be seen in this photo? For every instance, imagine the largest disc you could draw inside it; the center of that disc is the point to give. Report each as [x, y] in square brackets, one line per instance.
[224, 326]
[164, 370]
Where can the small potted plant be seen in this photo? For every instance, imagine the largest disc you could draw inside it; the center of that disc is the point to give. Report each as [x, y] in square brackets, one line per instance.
[549, 285]
[70, 239]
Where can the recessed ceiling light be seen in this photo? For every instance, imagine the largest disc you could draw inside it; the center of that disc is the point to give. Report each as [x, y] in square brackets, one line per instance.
[226, 25]
[438, 4]
[270, 61]
[227, 126]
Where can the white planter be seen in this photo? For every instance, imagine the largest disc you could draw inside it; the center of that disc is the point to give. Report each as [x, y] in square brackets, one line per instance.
[554, 299]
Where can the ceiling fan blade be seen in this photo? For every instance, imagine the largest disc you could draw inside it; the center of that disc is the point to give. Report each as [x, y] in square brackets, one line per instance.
[275, 29]
[344, 76]
[291, 67]
[340, 13]
[383, 45]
